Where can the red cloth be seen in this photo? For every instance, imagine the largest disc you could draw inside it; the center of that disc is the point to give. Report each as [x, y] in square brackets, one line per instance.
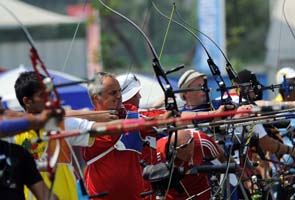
[152, 113]
[193, 184]
[149, 154]
[118, 173]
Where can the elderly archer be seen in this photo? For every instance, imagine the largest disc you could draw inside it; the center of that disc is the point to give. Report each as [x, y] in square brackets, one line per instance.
[113, 160]
[192, 78]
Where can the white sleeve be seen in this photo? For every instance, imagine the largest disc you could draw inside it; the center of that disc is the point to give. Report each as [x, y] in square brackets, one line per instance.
[259, 129]
[78, 124]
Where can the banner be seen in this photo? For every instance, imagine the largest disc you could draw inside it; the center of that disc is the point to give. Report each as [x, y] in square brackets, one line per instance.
[210, 17]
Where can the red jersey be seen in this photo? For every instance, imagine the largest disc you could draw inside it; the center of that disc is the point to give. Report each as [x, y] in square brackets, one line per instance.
[193, 184]
[113, 166]
[149, 153]
[118, 172]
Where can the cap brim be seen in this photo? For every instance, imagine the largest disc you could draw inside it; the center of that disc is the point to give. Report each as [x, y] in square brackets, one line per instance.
[131, 93]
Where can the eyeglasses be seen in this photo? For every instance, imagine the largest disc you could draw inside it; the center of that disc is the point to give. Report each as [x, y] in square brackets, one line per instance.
[189, 141]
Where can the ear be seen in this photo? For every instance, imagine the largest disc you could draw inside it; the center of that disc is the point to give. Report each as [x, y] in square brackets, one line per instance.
[96, 99]
[27, 101]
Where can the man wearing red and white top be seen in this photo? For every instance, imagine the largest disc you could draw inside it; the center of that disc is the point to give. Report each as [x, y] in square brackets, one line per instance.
[130, 88]
[113, 162]
[192, 149]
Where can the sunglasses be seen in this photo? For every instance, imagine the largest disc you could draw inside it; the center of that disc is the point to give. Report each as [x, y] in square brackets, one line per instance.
[189, 141]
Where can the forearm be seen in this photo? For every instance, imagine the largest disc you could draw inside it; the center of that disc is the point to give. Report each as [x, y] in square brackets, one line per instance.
[10, 114]
[98, 116]
[10, 128]
[287, 104]
[269, 144]
[107, 128]
[41, 191]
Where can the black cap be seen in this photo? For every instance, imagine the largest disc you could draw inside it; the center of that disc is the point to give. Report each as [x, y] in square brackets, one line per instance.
[245, 76]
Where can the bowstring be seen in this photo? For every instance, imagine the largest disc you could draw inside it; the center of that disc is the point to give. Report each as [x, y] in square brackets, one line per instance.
[68, 54]
[167, 30]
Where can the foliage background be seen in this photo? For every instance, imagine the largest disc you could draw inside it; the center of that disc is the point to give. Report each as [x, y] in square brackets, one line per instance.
[123, 48]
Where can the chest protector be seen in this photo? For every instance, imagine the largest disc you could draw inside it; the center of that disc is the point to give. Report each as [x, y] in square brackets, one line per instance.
[130, 141]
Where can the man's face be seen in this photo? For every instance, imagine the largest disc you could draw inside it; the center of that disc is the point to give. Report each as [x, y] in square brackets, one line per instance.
[135, 100]
[111, 98]
[248, 92]
[35, 104]
[184, 146]
[196, 98]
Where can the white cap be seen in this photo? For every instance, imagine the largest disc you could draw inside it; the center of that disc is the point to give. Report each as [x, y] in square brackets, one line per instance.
[187, 78]
[130, 86]
[286, 71]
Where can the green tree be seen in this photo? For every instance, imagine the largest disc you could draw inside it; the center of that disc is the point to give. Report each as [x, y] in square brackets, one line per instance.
[247, 24]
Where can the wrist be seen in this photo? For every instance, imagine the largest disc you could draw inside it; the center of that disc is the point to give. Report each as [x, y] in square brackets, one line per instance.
[288, 150]
[291, 150]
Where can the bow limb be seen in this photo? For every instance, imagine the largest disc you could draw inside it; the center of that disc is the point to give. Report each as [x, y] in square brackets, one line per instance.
[286, 19]
[47, 86]
[54, 159]
[50, 101]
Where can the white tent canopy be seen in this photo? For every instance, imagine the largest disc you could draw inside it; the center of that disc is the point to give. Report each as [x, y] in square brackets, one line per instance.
[29, 15]
[75, 97]
[280, 42]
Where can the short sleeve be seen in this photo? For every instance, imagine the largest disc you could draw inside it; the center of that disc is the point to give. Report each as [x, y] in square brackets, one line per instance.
[78, 124]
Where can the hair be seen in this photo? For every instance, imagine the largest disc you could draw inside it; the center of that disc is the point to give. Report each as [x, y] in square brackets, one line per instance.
[26, 85]
[290, 83]
[95, 87]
